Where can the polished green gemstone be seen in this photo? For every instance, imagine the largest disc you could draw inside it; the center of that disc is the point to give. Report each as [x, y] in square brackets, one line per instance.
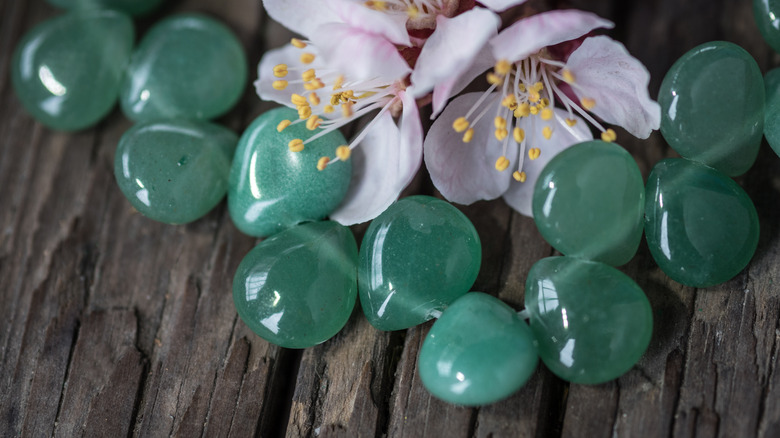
[701, 227]
[66, 71]
[767, 15]
[297, 288]
[273, 188]
[132, 7]
[174, 171]
[187, 66]
[478, 352]
[712, 107]
[589, 202]
[772, 116]
[591, 322]
[416, 258]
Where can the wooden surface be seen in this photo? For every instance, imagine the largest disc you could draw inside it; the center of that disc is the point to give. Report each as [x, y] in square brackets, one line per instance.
[112, 325]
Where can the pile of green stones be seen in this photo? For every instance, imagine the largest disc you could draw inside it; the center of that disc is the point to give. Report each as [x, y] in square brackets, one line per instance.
[587, 321]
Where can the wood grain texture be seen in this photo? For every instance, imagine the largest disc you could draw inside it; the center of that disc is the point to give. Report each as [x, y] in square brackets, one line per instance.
[113, 325]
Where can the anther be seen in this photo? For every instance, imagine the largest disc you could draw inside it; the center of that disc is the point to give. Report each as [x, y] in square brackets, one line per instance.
[297, 43]
[314, 84]
[314, 99]
[304, 112]
[307, 58]
[568, 76]
[534, 110]
[283, 124]
[534, 153]
[468, 135]
[343, 152]
[295, 145]
[308, 75]
[547, 114]
[335, 99]
[412, 11]
[502, 163]
[494, 79]
[280, 70]
[501, 133]
[503, 67]
[322, 163]
[279, 85]
[460, 124]
[587, 103]
[547, 132]
[499, 122]
[298, 100]
[519, 176]
[339, 82]
[571, 122]
[313, 123]
[523, 110]
[519, 135]
[327, 109]
[609, 135]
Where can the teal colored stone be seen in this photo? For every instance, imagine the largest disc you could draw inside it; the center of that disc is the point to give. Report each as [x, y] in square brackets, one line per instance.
[297, 288]
[66, 71]
[712, 107]
[478, 352]
[416, 258]
[187, 66]
[589, 202]
[174, 171]
[273, 188]
[772, 115]
[701, 227]
[767, 15]
[591, 322]
[132, 7]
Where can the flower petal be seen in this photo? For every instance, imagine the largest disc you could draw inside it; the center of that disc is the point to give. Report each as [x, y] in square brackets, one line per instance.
[450, 51]
[359, 54]
[501, 5]
[465, 172]
[450, 87]
[529, 35]
[383, 165]
[520, 195]
[391, 26]
[288, 55]
[607, 73]
[301, 16]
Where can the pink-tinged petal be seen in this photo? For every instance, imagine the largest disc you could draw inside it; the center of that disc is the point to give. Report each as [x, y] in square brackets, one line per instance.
[605, 72]
[449, 52]
[529, 35]
[382, 166]
[359, 54]
[501, 5]
[450, 87]
[465, 172]
[301, 16]
[391, 26]
[520, 194]
[288, 55]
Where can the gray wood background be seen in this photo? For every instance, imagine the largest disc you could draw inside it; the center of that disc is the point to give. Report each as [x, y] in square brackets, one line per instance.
[112, 325]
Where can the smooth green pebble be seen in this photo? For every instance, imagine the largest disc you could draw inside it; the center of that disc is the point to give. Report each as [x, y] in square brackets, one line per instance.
[132, 7]
[591, 322]
[187, 66]
[174, 171]
[701, 227]
[772, 116]
[767, 15]
[297, 288]
[479, 351]
[416, 258]
[712, 107]
[273, 188]
[589, 202]
[66, 71]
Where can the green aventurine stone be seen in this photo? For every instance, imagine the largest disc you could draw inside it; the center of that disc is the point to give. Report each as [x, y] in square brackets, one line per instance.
[478, 352]
[273, 188]
[187, 66]
[416, 258]
[132, 7]
[701, 227]
[297, 288]
[174, 171]
[591, 322]
[66, 71]
[712, 107]
[589, 202]
[772, 116]
[767, 15]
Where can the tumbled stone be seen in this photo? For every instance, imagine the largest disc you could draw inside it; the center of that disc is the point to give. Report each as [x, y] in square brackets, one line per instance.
[186, 66]
[272, 188]
[66, 71]
[132, 7]
[589, 202]
[591, 322]
[701, 227]
[767, 15]
[297, 289]
[416, 258]
[174, 171]
[712, 107]
[772, 116]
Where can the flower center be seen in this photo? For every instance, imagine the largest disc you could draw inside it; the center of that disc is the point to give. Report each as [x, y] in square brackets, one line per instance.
[416, 10]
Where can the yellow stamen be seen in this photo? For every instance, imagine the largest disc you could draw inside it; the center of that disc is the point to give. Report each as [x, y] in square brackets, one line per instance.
[346, 109]
[568, 76]
[308, 75]
[503, 67]
[534, 96]
[295, 145]
[509, 102]
[322, 163]
[494, 79]
[297, 43]
[544, 102]
[307, 58]
[412, 11]
[283, 124]
[519, 176]
[609, 135]
[304, 112]
[521, 87]
[538, 87]
[335, 99]
[501, 133]
[315, 84]
[571, 122]
[523, 110]
[280, 70]
[279, 85]
[314, 99]
[348, 95]
[298, 100]
[343, 152]
[587, 103]
[313, 123]
[547, 132]
[327, 109]
[534, 153]
[534, 110]
[376, 5]
[502, 163]
[519, 135]
[339, 82]
[460, 124]
[499, 122]
[468, 135]
[547, 114]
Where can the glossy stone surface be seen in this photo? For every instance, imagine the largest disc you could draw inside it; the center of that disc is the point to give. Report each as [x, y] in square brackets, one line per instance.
[701, 227]
[772, 113]
[589, 202]
[712, 107]
[66, 71]
[297, 288]
[187, 66]
[591, 322]
[416, 258]
[767, 15]
[478, 352]
[272, 188]
[132, 7]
